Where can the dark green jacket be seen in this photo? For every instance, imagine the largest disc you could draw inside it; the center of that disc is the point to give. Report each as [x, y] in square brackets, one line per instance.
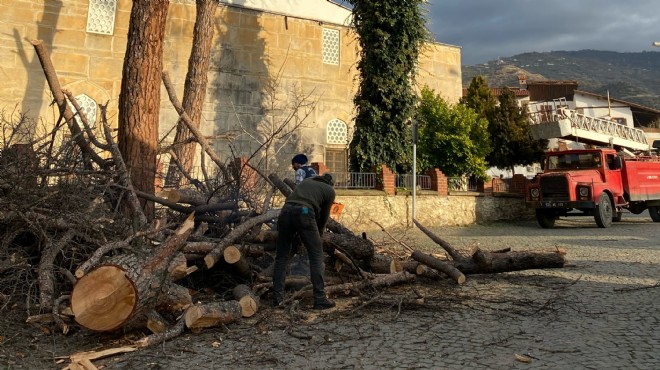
[316, 193]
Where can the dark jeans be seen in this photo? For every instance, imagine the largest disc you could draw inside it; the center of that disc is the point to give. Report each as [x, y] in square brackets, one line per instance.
[297, 219]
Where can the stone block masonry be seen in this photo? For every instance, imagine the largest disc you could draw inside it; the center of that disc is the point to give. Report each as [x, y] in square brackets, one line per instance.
[364, 207]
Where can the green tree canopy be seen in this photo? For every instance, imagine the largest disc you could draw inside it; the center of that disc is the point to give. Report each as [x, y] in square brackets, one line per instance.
[511, 137]
[391, 33]
[452, 138]
[480, 98]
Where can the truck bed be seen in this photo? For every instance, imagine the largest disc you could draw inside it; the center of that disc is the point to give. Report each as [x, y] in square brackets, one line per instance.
[641, 178]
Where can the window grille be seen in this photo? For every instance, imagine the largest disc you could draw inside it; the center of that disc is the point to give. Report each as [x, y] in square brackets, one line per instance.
[88, 107]
[337, 132]
[101, 16]
[330, 46]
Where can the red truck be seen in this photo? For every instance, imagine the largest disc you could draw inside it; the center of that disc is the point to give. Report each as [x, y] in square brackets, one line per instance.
[598, 182]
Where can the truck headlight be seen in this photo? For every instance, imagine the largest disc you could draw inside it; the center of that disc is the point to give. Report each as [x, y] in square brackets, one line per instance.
[534, 192]
[584, 191]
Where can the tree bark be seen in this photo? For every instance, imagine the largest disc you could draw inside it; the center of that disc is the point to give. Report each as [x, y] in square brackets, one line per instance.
[139, 98]
[194, 89]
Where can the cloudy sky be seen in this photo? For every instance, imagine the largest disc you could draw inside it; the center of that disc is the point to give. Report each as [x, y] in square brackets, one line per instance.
[487, 29]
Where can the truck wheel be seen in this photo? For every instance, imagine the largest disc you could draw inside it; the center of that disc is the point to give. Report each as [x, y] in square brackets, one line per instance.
[545, 218]
[655, 213]
[603, 214]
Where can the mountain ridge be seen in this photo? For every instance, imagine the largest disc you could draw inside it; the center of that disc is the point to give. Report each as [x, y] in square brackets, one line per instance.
[628, 76]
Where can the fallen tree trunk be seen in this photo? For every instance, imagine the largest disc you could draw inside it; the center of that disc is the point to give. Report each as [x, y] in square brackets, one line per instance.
[490, 263]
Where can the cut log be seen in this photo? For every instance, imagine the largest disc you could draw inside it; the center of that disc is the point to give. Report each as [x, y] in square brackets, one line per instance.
[156, 323]
[439, 265]
[126, 287]
[263, 236]
[247, 299]
[234, 256]
[104, 298]
[239, 231]
[231, 254]
[512, 261]
[212, 314]
[382, 264]
[427, 272]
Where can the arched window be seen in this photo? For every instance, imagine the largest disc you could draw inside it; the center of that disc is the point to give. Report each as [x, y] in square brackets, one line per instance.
[336, 154]
[89, 108]
[337, 132]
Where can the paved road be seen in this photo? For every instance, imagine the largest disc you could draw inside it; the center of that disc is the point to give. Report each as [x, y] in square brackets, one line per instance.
[602, 311]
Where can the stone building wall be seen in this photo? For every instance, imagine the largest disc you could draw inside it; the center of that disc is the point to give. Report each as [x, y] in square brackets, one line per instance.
[260, 60]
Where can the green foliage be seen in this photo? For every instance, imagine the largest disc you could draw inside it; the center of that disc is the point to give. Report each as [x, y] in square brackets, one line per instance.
[391, 34]
[480, 98]
[512, 141]
[452, 138]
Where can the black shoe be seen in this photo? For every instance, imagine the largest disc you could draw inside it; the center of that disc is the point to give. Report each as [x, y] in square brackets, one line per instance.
[277, 303]
[323, 304]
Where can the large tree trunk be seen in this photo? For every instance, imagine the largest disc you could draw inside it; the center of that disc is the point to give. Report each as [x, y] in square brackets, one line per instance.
[194, 90]
[139, 99]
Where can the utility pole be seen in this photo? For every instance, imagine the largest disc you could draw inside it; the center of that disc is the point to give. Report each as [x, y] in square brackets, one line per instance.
[414, 166]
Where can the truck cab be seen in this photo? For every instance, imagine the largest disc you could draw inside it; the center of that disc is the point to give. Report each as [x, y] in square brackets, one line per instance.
[594, 182]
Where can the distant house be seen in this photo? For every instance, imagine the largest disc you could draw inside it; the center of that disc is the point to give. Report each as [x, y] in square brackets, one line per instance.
[265, 55]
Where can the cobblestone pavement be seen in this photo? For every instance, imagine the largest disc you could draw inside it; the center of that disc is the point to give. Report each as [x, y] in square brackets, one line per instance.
[601, 311]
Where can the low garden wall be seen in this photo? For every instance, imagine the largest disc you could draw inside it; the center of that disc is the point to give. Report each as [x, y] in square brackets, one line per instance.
[432, 210]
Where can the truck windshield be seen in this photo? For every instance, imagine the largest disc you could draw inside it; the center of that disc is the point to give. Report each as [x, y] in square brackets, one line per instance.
[574, 161]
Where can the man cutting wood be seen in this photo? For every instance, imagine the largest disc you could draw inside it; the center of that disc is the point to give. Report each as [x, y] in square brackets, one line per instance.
[305, 213]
